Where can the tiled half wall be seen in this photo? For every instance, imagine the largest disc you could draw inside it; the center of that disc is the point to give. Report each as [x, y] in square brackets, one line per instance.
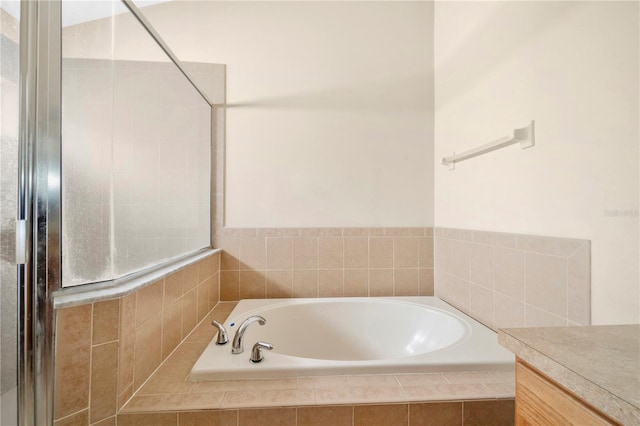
[513, 280]
[325, 262]
[458, 413]
[106, 350]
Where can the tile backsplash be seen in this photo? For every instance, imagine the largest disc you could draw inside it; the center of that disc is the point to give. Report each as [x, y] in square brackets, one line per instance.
[501, 279]
[514, 280]
[325, 262]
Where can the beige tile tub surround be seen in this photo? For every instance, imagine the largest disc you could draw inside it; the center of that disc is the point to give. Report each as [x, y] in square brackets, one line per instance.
[468, 413]
[105, 350]
[262, 263]
[168, 397]
[514, 280]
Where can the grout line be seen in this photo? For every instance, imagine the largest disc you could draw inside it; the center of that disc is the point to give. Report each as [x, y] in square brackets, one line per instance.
[393, 266]
[445, 378]
[545, 311]
[106, 418]
[353, 415]
[524, 285]
[90, 364]
[577, 249]
[493, 311]
[368, 265]
[566, 288]
[408, 414]
[104, 343]
[317, 266]
[164, 282]
[343, 258]
[73, 414]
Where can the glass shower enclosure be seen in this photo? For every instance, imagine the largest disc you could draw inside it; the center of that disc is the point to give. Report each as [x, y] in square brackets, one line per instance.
[106, 170]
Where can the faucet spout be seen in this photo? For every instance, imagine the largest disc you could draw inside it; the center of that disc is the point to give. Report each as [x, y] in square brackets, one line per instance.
[238, 339]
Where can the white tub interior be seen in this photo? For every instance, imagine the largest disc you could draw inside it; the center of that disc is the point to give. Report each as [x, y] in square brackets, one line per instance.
[353, 336]
[377, 329]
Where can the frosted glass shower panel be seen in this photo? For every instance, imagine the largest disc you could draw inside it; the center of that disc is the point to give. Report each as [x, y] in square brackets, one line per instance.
[136, 153]
[87, 109]
[10, 101]
[161, 173]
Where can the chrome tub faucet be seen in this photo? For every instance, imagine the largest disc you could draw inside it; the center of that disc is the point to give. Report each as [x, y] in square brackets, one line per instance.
[237, 346]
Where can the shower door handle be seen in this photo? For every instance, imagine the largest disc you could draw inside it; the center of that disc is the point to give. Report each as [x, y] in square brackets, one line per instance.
[21, 242]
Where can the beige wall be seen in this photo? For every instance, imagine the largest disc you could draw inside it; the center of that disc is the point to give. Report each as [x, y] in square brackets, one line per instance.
[330, 105]
[572, 67]
[329, 118]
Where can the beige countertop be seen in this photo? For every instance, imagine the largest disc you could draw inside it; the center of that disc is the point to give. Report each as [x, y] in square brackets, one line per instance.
[600, 364]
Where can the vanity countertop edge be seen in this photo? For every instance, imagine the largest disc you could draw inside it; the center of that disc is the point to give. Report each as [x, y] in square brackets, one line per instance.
[581, 359]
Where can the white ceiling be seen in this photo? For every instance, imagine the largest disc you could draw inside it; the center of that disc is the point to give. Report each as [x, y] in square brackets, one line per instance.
[78, 11]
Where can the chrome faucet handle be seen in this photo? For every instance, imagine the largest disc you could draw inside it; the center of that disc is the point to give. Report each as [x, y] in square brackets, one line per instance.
[223, 338]
[256, 352]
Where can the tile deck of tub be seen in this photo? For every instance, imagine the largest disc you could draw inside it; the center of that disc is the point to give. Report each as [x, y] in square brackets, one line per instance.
[169, 389]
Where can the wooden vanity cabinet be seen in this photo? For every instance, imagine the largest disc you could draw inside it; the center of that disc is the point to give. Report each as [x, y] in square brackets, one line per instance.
[541, 401]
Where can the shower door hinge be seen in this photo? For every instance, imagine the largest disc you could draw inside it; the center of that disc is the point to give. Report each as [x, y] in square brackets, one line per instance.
[21, 242]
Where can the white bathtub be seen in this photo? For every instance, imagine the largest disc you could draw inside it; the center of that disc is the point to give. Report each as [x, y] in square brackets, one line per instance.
[353, 336]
